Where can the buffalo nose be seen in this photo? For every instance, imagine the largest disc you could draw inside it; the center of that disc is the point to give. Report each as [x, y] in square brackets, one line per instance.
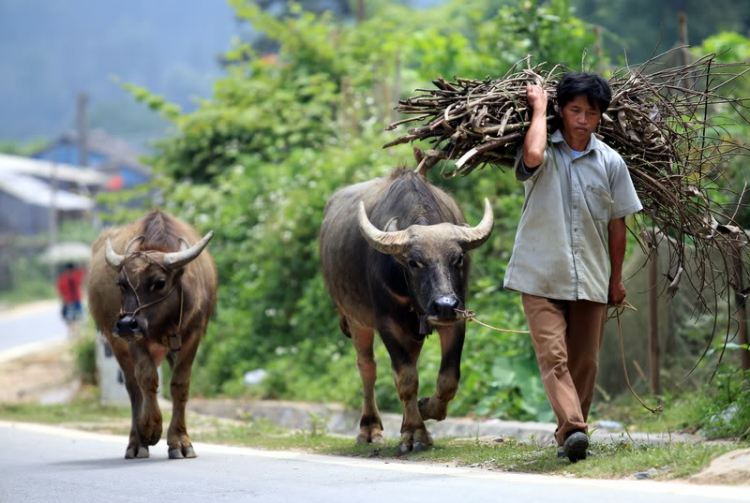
[126, 325]
[446, 305]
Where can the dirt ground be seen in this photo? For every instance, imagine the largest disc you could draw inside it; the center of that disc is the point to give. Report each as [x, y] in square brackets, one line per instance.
[45, 376]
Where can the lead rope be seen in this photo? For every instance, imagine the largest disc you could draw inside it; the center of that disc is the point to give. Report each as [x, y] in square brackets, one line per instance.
[174, 342]
[470, 316]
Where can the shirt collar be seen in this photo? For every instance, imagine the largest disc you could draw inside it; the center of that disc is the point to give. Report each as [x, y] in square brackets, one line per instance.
[594, 143]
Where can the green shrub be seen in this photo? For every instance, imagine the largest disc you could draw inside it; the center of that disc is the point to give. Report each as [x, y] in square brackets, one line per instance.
[84, 357]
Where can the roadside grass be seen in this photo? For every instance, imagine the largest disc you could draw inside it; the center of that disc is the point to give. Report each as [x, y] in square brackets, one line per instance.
[722, 413]
[607, 460]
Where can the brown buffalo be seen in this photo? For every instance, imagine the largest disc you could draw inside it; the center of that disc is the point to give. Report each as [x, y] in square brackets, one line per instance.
[153, 300]
[394, 258]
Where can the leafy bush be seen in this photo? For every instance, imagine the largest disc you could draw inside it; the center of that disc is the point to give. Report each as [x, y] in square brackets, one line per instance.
[257, 162]
[84, 357]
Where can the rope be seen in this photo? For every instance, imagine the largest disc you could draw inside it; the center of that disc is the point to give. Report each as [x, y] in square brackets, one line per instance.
[138, 300]
[470, 316]
[618, 310]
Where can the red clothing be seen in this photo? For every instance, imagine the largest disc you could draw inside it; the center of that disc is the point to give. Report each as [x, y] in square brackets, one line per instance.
[69, 285]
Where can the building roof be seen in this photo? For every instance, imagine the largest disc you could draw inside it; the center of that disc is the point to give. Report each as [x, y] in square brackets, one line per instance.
[119, 151]
[35, 192]
[48, 170]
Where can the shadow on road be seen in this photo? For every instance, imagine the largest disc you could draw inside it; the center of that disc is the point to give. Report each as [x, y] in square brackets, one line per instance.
[105, 463]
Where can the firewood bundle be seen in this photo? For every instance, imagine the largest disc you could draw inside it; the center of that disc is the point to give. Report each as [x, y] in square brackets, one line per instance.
[666, 122]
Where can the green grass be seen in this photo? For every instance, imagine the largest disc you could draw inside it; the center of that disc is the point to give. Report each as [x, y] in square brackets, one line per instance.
[699, 410]
[79, 411]
[615, 460]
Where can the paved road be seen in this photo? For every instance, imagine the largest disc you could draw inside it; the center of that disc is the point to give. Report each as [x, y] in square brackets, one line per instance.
[44, 464]
[31, 325]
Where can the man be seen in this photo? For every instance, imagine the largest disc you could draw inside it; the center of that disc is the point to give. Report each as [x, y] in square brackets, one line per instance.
[570, 246]
[69, 286]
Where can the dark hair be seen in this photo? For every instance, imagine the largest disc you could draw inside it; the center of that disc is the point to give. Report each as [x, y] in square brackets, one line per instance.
[69, 266]
[593, 86]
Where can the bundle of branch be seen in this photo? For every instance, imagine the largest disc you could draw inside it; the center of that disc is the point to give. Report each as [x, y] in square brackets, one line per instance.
[658, 121]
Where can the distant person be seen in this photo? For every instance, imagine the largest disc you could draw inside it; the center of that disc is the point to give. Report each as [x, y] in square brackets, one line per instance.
[69, 285]
[570, 246]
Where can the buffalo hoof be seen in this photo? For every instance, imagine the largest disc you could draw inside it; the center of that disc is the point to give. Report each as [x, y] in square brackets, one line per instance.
[414, 441]
[182, 452]
[403, 449]
[418, 447]
[376, 438]
[432, 408]
[135, 451]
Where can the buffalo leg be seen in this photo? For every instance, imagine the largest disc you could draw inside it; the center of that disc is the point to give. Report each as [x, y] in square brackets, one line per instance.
[149, 422]
[120, 349]
[177, 436]
[404, 352]
[370, 425]
[451, 344]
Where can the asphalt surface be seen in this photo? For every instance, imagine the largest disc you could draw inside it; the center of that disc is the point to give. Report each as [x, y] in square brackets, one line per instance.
[49, 464]
[38, 324]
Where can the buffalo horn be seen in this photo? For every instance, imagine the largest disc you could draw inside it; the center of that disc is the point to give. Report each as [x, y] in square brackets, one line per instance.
[113, 258]
[472, 237]
[178, 259]
[390, 243]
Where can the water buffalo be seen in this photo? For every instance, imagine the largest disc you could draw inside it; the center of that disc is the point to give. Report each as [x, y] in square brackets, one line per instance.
[402, 281]
[153, 301]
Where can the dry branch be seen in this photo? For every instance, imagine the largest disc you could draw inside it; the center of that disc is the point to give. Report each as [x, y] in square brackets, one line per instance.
[658, 121]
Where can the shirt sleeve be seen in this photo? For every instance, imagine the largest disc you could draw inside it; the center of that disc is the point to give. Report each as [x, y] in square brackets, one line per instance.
[625, 200]
[522, 173]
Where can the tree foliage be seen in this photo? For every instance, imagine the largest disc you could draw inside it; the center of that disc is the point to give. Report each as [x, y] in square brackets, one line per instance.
[257, 161]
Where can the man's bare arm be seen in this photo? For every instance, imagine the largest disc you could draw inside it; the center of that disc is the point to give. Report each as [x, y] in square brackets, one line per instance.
[617, 239]
[536, 137]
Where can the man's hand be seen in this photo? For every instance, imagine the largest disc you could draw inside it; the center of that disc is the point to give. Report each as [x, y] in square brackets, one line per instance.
[536, 96]
[536, 136]
[616, 292]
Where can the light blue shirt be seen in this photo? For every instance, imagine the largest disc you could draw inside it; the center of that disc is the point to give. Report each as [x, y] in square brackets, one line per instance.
[561, 249]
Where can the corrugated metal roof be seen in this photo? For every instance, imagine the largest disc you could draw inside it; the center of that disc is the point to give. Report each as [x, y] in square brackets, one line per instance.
[45, 169]
[33, 191]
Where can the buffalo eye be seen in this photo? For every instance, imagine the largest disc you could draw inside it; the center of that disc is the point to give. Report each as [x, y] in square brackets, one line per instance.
[413, 264]
[459, 260]
[159, 284]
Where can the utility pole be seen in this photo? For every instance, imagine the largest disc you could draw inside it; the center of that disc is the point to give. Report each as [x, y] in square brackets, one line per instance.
[740, 304]
[53, 220]
[82, 127]
[360, 11]
[653, 315]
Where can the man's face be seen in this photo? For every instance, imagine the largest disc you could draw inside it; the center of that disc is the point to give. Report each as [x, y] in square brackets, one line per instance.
[579, 118]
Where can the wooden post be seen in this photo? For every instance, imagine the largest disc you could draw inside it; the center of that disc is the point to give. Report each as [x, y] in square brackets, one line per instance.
[741, 307]
[653, 316]
[360, 11]
[684, 54]
[396, 88]
[53, 219]
[82, 125]
[598, 47]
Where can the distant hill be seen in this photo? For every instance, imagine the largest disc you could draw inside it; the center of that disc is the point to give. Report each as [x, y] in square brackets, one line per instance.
[51, 50]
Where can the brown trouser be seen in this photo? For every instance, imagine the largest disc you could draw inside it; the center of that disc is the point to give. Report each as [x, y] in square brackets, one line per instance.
[567, 336]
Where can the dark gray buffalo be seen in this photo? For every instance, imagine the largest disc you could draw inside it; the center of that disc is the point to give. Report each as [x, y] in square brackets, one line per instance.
[401, 271]
[152, 290]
